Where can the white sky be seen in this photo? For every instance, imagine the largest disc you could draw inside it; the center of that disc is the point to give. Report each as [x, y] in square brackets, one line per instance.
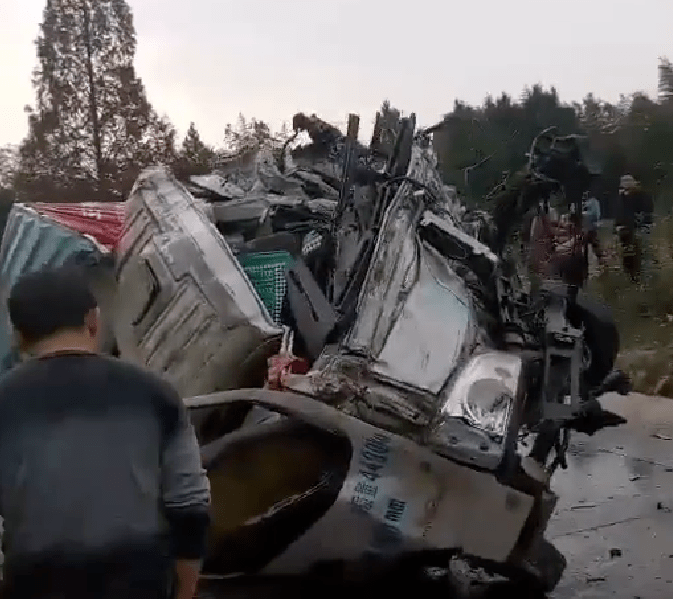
[207, 60]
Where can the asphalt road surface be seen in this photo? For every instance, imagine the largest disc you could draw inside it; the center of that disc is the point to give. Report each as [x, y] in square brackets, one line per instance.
[614, 520]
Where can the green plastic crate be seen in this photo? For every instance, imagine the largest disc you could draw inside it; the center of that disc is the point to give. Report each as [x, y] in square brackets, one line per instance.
[266, 271]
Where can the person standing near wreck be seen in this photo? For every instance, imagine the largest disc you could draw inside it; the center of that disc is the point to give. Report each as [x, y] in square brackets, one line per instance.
[591, 212]
[633, 225]
[102, 491]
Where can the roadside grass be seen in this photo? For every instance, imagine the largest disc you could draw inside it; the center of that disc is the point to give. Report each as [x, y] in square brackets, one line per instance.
[644, 312]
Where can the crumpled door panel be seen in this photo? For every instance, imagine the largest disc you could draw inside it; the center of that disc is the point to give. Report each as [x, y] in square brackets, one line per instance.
[427, 338]
[414, 314]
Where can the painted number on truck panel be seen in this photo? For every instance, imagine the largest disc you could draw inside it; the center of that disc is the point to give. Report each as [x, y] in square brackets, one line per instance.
[372, 459]
[386, 535]
[395, 510]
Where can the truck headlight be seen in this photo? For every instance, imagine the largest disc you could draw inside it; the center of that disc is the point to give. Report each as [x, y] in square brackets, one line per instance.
[483, 394]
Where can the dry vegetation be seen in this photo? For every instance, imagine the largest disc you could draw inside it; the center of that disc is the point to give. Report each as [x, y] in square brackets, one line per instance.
[644, 312]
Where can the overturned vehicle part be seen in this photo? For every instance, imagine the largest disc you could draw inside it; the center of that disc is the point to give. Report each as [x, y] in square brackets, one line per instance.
[185, 306]
[282, 489]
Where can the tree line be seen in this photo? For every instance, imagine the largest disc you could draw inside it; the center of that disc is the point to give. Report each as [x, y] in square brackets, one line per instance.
[92, 128]
[477, 147]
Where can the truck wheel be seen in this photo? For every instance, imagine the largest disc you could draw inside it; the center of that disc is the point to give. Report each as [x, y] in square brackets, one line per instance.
[601, 337]
[542, 570]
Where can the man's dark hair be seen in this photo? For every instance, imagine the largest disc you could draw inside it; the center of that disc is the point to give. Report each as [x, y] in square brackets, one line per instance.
[44, 302]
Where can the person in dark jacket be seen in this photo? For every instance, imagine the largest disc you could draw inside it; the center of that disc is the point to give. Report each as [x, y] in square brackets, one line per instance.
[635, 210]
[102, 492]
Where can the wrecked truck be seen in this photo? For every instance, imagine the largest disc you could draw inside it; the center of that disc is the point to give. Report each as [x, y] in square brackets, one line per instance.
[426, 365]
[409, 371]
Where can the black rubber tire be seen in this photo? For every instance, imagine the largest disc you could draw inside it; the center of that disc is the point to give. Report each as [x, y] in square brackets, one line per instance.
[548, 563]
[600, 334]
[538, 575]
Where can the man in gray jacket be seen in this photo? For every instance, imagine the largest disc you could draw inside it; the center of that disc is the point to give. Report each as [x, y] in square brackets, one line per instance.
[102, 491]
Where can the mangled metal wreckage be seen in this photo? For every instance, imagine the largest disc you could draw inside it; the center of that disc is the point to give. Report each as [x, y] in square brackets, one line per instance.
[427, 364]
[405, 366]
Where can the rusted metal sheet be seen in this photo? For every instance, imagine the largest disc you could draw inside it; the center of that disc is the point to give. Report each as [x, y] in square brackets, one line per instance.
[101, 220]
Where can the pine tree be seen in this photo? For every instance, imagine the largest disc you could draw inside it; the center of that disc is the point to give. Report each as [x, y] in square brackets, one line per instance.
[92, 128]
[195, 157]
